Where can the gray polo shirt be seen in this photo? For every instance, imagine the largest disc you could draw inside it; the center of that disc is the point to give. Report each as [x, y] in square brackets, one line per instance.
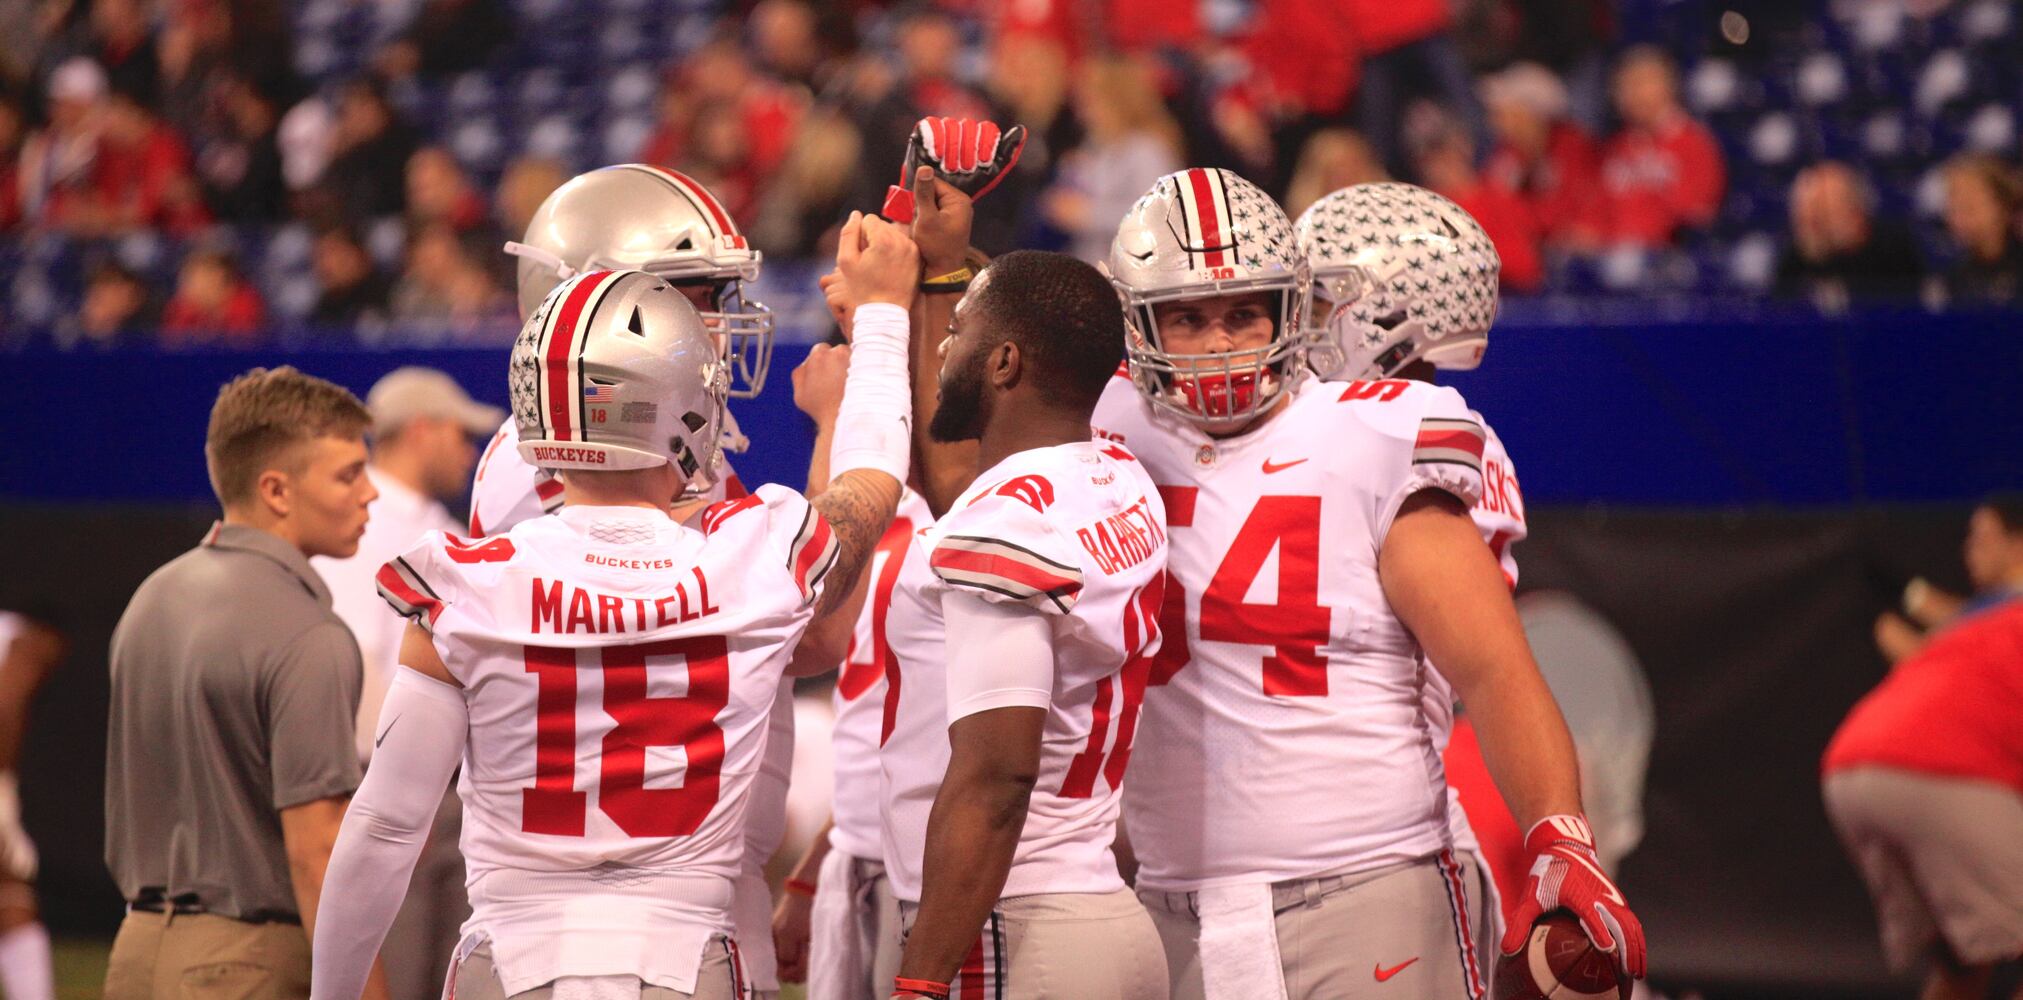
[233, 691]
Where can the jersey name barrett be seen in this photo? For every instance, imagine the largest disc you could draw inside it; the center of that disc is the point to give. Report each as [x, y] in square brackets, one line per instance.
[1076, 532]
[1282, 658]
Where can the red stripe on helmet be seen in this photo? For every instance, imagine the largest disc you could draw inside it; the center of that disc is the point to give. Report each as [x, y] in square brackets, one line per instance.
[1206, 218]
[564, 340]
[702, 196]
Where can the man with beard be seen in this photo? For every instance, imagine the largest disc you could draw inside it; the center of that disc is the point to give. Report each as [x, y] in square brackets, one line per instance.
[1021, 631]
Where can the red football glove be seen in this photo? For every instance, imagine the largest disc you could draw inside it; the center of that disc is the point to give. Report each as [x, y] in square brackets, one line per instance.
[969, 154]
[1566, 875]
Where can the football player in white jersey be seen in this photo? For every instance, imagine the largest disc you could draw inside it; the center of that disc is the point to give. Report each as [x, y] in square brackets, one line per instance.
[1020, 633]
[1371, 248]
[666, 223]
[605, 676]
[1287, 806]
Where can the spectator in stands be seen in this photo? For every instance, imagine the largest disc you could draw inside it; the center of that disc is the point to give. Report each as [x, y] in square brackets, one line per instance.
[123, 42]
[194, 49]
[1662, 173]
[787, 41]
[1548, 160]
[1131, 142]
[57, 160]
[1031, 76]
[1334, 158]
[448, 36]
[1924, 784]
[241, 166]
[13, 133]
[1304, 64]
[1402, 40]
[1839, 252]
[117, 311]
[439, 191]
[142, 178]
[370, 149]
[443, 286]
[352, 289]
[527, 182]
[806, 200]
[1993, 553]
[1446, 163]
[718, 75]
[719, 157]
[1983, 198]
[213, 303]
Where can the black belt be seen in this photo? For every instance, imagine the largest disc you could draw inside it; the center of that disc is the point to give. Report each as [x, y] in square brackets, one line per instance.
[188, 904]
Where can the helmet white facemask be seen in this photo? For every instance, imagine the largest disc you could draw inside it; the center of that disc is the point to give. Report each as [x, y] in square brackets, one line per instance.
[614, 371]
[1403, 275]
[644, 218]
[1206, 233]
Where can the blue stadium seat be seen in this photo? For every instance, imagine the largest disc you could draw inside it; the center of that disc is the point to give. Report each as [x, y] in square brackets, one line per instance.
[478, 143]
[623, 138]
[634, 87]
[386, 240]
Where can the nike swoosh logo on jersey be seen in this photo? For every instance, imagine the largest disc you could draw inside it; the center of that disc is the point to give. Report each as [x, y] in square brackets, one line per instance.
[1271, 466]
[1384, 974]
[383, 732]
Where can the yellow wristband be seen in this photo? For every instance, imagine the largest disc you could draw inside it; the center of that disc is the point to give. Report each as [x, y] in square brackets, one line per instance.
[955, 280]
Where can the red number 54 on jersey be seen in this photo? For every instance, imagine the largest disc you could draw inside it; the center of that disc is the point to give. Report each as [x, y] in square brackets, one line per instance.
[557, 807]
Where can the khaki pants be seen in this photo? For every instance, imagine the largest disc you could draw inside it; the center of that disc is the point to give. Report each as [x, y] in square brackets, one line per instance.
[1063, 946]
[205, 957]
[1409, 924]
[1943, 859]
[718, 978]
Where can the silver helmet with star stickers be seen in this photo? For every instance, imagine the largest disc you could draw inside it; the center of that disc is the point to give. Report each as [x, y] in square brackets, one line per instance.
[1400, 275]
[614, 370]
[1206, 233]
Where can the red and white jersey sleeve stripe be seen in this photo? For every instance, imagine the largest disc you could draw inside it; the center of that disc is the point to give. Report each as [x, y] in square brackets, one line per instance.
[411, 596]
[813, 552]
[974, 549]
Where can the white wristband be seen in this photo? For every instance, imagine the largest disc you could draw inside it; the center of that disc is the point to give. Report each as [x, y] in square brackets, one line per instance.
[874, 423]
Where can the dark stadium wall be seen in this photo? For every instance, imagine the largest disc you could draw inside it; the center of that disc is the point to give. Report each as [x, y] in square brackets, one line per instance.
[1763, 410]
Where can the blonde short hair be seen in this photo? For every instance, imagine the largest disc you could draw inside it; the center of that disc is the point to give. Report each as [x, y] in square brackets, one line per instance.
[262, 414]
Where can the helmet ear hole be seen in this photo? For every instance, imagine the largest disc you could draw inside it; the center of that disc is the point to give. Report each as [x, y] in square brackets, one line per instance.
[636, 325]
[1391, 320]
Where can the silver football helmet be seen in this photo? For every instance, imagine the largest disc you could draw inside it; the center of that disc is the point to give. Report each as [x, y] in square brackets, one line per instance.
[1400, 275]
[644, 218]
[1204, 233]
[614, 370]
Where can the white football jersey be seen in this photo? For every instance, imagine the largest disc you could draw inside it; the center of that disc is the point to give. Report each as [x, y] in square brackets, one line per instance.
[860, 689]
[506, 490]
[621, 671]
[1282, 659]
[1078, 532]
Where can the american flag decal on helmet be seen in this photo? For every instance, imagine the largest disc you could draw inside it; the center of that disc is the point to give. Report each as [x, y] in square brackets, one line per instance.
[1004, 568]
[813, 553]
[1449, 441]
[409, 594]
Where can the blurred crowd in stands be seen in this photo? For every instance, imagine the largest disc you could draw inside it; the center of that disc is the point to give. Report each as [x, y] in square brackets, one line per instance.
[216, 170]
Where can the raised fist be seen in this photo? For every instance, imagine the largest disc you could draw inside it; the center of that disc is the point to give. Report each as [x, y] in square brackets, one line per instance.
[971, 155]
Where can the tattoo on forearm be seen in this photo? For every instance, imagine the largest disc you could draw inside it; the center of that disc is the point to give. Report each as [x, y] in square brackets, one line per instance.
[859, 507]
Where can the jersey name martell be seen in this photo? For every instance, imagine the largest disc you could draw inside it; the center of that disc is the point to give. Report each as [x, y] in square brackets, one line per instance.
[589, 612]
